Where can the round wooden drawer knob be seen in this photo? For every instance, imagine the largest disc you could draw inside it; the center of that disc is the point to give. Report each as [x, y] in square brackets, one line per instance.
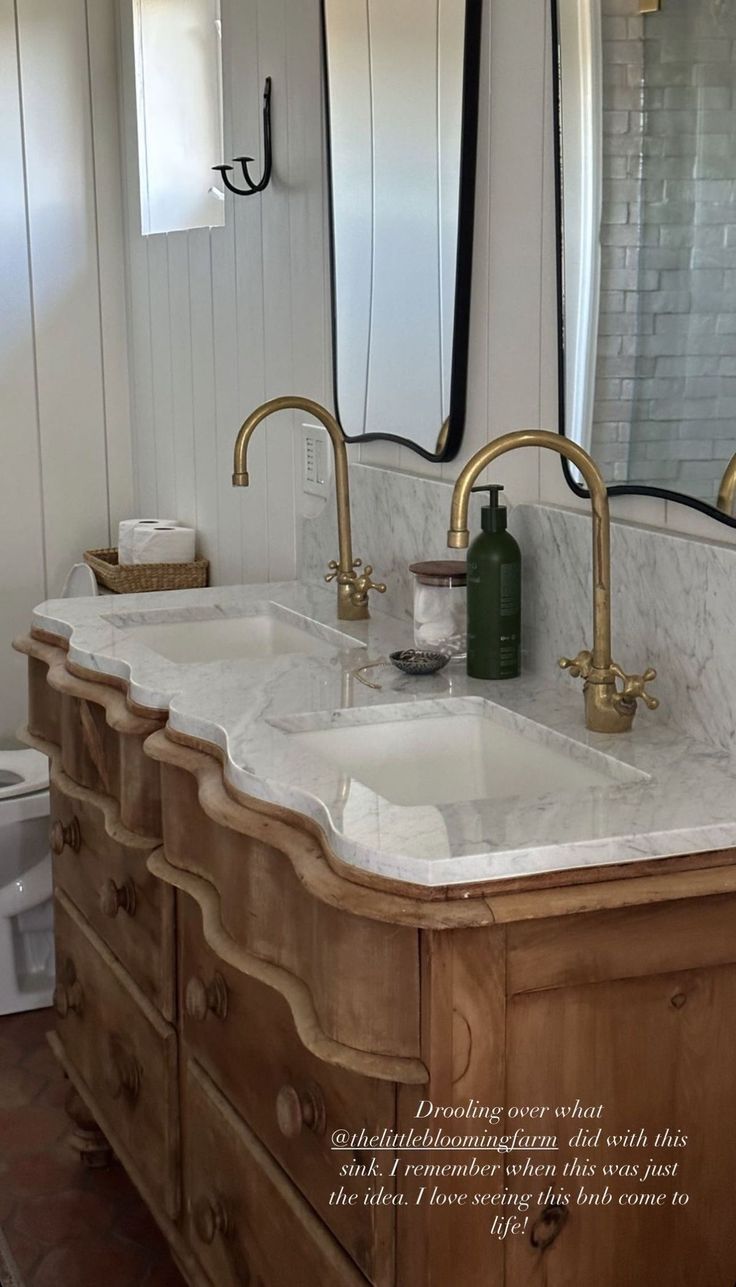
[68, 994]
[62, 837]
[210, 1218]
[297, 1110]
[122, 1072]
[201, 999]
[115, 898]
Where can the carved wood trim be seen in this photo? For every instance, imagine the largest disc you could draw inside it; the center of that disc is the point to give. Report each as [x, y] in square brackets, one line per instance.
[93, 744]
[103, 690]
[188, 1264]
[448, 907]
[292, 989]
[107, 804]
[556, 893]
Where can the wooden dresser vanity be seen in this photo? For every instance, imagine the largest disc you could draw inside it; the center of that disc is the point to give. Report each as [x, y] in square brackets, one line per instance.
[230, 993]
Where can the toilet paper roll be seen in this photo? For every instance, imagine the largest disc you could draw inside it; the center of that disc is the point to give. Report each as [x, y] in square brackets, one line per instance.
[162, 542]
[126, 537]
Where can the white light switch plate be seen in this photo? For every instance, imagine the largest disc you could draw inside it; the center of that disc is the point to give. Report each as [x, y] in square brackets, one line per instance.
[317, 468]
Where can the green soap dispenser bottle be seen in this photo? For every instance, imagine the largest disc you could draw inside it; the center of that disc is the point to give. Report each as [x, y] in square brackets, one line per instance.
[494, 595]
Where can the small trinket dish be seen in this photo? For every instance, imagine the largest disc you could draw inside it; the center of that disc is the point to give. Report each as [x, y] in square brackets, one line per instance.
[418, 661]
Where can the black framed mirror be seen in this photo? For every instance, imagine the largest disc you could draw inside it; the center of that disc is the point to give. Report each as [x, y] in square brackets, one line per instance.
[645, 114]
[402, 96]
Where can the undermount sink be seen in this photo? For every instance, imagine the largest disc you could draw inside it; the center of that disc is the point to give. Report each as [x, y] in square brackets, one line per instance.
[470, 749]
[270, 631]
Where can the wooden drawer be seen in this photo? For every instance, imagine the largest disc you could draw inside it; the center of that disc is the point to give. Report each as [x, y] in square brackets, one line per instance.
[108, 756]
[243, 1034]
[245, 1221]
[122, 1049]
[106, 876]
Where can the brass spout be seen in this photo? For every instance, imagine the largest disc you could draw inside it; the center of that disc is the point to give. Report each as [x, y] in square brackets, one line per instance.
[727, 489]
[352, 586]
[608, 709]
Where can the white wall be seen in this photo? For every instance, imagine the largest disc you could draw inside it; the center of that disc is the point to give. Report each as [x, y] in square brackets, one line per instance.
[220, 320]
[66, 471]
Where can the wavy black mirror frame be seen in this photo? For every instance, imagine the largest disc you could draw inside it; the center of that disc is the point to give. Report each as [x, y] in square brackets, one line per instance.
[449, 434]
[614, 489]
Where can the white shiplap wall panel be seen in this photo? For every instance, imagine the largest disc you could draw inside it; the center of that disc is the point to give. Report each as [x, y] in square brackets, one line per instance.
[63, 362]
[273, 324]
[54, 71]
[22, 579]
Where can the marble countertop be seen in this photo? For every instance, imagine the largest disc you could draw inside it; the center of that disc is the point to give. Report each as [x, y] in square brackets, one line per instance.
[665, 794]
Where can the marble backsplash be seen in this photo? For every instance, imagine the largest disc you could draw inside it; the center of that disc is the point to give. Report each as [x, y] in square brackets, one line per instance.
[673, 597]
[397, 519]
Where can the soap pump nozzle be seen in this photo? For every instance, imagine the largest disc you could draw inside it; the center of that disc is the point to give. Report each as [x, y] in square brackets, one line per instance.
[493, 516]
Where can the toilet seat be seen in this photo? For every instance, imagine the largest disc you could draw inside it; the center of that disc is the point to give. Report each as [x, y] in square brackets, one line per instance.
[22, 773]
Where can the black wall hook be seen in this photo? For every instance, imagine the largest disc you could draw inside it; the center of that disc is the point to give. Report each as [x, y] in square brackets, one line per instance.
[252, 187]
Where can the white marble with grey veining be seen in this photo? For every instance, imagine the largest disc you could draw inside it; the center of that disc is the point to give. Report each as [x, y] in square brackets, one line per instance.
[673, 597]
[397, 519]
[673, 606]
[681, 800]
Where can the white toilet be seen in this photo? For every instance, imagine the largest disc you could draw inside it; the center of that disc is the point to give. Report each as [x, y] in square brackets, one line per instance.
[26, 911]
[26, 907]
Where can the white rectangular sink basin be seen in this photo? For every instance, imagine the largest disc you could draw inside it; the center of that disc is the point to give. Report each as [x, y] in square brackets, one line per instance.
[268, 632]
[483, 754]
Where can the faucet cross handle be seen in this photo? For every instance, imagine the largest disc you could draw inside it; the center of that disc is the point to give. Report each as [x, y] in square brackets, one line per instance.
[580, 665]
[343, 578]
[363, 583]
[634, 688]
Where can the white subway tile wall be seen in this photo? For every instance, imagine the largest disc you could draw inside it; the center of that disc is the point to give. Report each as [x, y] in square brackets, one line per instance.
[665, 400]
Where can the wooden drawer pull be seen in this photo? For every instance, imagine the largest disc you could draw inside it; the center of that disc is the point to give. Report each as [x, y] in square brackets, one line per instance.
[203, 998]
[123, 1073]
[210, 1218]
[68, 994]
[296, 1110]
[550, 1223]
[62, 836]
[115, 898]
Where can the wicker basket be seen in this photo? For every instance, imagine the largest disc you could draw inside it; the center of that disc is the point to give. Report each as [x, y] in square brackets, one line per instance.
[141, 577]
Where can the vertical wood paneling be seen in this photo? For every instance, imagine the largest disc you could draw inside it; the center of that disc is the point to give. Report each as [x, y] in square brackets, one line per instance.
[163, 394]
[54, 73]
[21, 502]
[138, 303]
[203, 396]
[243, 94]
[181, 379]
[109, 198]
[63, 361]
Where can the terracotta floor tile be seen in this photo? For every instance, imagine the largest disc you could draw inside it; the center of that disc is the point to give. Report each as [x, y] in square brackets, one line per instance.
[43, 1172]
[67, 1225]
[29, 1128]
[54, 1218]
[91, 1262]
[164, 1274]
[26, 1251]
[19, 1086]
[41, 1060]
[10, 1052]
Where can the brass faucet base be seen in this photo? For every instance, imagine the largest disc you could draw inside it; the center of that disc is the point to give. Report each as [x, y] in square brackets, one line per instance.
[608, 709]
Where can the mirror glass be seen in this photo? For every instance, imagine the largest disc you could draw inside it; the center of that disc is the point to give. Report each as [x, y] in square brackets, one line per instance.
[402, 83]
[647, 200]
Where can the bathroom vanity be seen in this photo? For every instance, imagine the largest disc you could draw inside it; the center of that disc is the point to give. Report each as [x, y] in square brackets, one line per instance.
[256, 948]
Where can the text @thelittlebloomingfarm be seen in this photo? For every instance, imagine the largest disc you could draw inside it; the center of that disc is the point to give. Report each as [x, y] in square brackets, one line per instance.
[511, 1163]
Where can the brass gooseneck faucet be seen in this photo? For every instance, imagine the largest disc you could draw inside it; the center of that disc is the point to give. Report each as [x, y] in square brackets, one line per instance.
[727, 489]
[353, 585]
[608, 708]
